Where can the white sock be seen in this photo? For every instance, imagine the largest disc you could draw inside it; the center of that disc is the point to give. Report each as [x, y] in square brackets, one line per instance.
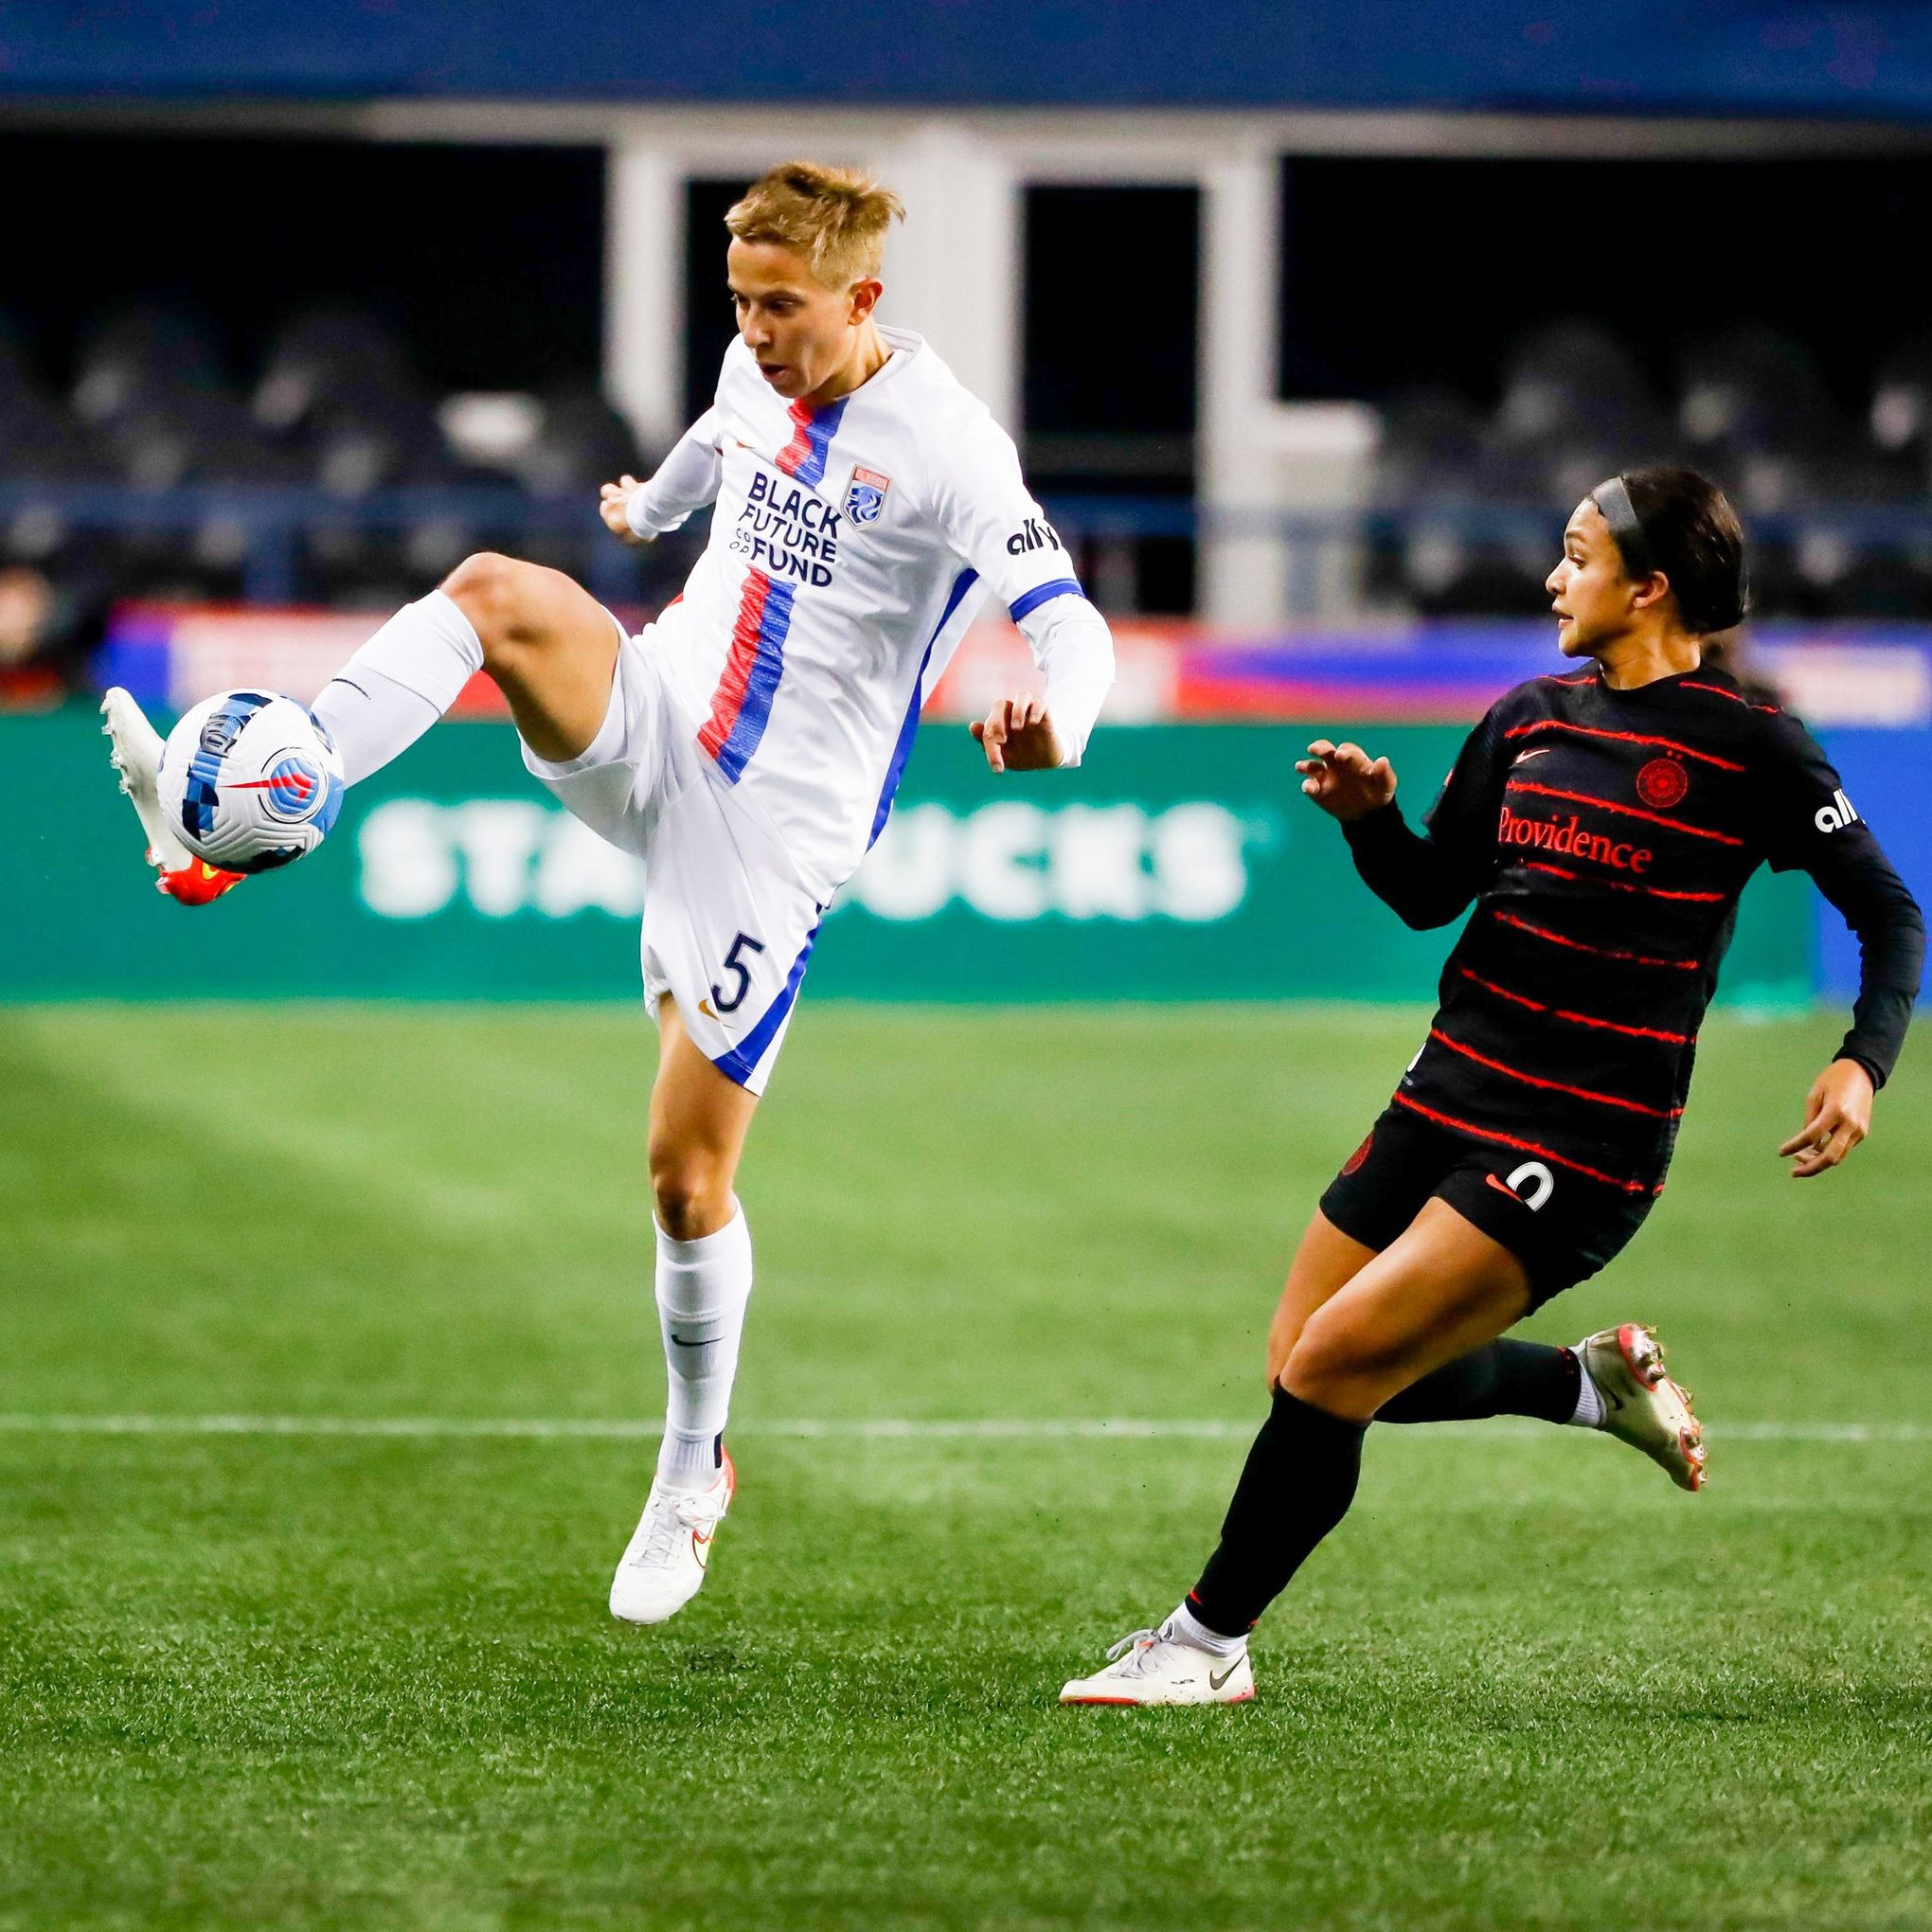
[399, 684]
[1590, 1410]
[1185, 1627]
[703, 1287]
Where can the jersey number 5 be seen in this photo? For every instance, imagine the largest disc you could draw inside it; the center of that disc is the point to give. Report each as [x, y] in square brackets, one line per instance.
[734, 964]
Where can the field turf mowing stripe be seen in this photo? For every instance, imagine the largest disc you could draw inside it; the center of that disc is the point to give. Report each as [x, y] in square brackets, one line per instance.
[291, 1637]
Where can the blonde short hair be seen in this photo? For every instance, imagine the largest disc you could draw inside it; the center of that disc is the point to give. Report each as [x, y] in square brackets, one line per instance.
[836, 218]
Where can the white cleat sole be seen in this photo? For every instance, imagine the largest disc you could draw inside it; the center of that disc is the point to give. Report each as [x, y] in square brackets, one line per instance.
[135, 755]
[1079, 1692]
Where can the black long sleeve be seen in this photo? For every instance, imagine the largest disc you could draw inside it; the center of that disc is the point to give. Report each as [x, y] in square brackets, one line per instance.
[1818, 828]
[1892, 959]
[1431, 877]
[1406, 870]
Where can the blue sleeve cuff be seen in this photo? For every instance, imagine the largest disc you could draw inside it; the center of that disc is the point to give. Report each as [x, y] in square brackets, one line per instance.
[1044, 593]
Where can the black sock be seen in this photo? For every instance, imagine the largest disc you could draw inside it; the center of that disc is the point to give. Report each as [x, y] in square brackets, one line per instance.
[1499, 1379]
[1297, 1484]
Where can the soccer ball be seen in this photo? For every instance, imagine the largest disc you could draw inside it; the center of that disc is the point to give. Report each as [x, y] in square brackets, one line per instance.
[250, 780]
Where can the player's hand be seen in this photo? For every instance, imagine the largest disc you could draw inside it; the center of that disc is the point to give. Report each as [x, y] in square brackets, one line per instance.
[1343, 781]
[1837, 1116]
[1018, 736]
[612, 505]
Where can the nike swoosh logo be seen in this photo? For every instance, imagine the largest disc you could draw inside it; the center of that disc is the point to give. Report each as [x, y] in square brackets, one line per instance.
[1215, 1683]
[705, 1008]
[1524, 756]
[1504, 1188]
[679, 1342]
[700, 1548]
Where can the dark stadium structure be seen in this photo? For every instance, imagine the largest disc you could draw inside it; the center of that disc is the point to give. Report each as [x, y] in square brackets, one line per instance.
[184, 418]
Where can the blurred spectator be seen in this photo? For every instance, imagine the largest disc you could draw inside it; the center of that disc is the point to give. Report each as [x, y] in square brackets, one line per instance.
[45, 637]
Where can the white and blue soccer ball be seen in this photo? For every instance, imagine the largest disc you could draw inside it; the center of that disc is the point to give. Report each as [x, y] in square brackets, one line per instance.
[250, 780]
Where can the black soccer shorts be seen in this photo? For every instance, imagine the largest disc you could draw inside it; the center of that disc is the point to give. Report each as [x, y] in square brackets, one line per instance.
[1560, 1225]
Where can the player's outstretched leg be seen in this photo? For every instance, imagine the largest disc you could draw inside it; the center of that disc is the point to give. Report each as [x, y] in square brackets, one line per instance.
[1504, 1378]
[699, 1119]
[1613, 1381]
[1440, 1289]
[1296, 1485]
[548, 644]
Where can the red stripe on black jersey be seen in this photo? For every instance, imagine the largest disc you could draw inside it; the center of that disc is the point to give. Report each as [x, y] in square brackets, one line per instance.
[1525, 926]
[1627, 811]
[1521, 999]
[1541, 1153]
[1560, 1086]
[1723, 764]
[1718, 691]
[1537, 1006]
[1619, 886]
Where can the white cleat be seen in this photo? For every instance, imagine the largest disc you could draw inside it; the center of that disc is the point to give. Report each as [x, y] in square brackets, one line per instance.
[137, 756]
[1151, 1667]
[1641, 1404]
[664, 1562]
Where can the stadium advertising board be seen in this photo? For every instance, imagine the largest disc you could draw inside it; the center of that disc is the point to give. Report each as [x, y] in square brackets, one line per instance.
[1179, 864]
[1415, 672]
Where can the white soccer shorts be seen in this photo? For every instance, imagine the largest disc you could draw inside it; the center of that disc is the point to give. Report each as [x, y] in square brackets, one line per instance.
[728, 924]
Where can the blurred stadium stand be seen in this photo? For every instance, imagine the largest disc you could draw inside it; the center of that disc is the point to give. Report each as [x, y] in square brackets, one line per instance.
[1287, 320]
[1835, 499]
[328, 474]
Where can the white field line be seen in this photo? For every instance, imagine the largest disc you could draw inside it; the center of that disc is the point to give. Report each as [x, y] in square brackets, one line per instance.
[988, 1429]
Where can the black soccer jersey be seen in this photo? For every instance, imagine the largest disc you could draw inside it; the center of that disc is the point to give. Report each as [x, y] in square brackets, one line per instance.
[1605, 836]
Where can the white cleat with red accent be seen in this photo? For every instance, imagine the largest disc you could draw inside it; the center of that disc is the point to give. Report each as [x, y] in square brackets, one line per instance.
[664, 1564]
[1151, 1667]
[1641, 1404]
[137, 756]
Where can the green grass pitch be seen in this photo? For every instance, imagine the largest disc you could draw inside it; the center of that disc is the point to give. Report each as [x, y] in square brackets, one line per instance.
[350, 1680]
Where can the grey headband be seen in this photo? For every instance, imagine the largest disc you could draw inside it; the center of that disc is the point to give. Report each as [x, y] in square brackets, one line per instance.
[1613, 499]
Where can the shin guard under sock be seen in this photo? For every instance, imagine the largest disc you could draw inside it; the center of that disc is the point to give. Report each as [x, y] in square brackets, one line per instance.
[1502, 1378]
[1297, 1484]
[701, 1289]
[399, 684]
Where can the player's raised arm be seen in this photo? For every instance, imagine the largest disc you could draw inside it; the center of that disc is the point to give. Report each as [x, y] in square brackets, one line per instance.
[1430, 877]
[983, 504]
[1814, 826]
[687, 478]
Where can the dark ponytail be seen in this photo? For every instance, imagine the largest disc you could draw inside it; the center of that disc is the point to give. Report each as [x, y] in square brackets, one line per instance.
[1674, 521]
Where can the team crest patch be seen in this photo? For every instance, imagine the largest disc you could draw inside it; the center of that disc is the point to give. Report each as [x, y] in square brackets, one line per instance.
[1662, 783]
[865, 495]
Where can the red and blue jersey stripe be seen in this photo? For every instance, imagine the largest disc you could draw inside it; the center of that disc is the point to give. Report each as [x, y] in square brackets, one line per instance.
[804, 455]
[741, 704]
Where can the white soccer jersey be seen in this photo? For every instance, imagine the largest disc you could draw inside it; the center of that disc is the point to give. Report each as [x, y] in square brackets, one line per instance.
[850, 549]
